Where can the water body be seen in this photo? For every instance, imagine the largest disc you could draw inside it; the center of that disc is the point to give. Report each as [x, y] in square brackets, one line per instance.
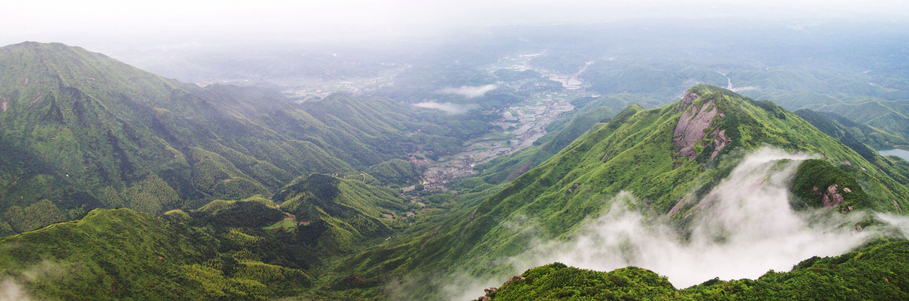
[895, 152]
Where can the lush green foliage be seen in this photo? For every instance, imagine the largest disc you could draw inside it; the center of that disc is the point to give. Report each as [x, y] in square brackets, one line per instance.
[559, 282]
[340, 212]
[875, 272]
[814, 177]
[395, 171]
[634, 152]
[126, 255]
[588, 113]
[84, 131]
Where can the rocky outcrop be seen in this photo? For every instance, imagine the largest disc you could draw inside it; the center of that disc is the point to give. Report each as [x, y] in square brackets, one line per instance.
[686, 101]
[513, 279]
[719, 141]
[353, 280]
[490, 291]
[573, 187]
[830, 197]
[690, 128]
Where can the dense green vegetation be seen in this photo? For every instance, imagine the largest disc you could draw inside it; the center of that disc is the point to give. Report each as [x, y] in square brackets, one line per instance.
[887, 116]
[395, 171]
[80, 131]
[875, 272]
[588, 113]
[633, 152]
[127, 255]
[236, 193]
[248, 249]
[817, 183]
[344, 237]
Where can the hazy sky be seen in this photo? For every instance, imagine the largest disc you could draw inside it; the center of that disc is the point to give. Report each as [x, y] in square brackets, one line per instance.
[94, 21]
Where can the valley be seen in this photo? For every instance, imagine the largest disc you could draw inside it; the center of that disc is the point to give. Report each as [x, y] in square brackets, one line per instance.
[622, 161]
[313, 90]
[518, 126]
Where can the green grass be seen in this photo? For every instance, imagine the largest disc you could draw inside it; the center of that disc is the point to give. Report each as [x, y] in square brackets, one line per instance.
[105, 134]
[875, 272]
[632, 152]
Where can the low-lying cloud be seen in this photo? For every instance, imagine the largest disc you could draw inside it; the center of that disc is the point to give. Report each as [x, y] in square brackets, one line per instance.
[742, 89]
[742, 228]
[13, 288]
[745, 227]
[468, 91]
[10, 290]
[451, 108]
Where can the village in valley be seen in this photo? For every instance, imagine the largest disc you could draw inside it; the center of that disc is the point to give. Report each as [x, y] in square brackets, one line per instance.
[519, 124]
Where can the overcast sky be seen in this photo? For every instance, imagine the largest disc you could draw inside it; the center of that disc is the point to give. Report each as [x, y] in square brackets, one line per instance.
[139, 21]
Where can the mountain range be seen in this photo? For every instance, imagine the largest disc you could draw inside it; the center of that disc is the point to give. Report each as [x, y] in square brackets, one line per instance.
[118, 184]
[83, 131]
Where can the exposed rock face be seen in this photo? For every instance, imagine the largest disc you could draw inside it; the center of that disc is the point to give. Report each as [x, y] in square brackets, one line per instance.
[719, 141]
[352, 280]
[830, 197]
[491, 290]
[898, 206]
[686, 101]
[3, 105]
[515, 278]
[572, 188]
[678, 206]
[691, 126]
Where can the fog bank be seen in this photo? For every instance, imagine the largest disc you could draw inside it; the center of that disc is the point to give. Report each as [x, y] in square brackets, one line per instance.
[451, 108]
[468, 91]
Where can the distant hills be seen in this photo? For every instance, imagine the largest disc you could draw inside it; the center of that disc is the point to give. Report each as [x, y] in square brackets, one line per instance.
[669, 158]
[79, 130]
[118, 184]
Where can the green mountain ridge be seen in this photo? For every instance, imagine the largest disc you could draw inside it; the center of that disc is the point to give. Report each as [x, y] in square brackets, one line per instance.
[83, 131]
[874, 272]
[561, 132]
[648, 153]
[250, 249]
[236, 193]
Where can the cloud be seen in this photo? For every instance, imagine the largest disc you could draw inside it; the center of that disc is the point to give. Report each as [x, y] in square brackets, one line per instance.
[10, 290]
[735, 233]
[740, 89]
[468, 91]
[14, 288]
[447, 107]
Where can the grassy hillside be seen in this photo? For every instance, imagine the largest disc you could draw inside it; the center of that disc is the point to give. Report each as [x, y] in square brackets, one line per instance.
[588, 113]
[250, 249]
[127, 255]
[875, 272]
[640, 151]
[79, 130]
[341, 237]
